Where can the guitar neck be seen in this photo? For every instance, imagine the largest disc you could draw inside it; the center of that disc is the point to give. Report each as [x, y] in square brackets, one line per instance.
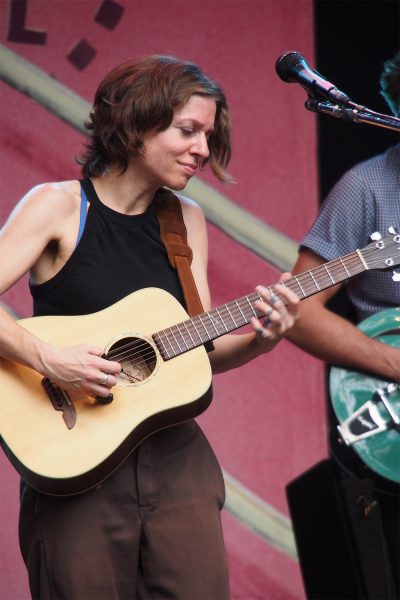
[208, 326]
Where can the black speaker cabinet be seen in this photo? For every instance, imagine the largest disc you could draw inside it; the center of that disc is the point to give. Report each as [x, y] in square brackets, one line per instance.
[346, 534]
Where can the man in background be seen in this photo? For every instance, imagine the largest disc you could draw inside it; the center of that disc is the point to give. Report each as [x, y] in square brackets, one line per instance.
[365, 200]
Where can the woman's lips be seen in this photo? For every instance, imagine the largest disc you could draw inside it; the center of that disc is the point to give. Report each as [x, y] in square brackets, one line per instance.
[189, 168]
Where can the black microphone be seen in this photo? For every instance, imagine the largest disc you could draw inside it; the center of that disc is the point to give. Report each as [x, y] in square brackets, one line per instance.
[292, 68]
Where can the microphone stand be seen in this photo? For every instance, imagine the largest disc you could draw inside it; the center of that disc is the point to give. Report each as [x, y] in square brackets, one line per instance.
[352, 113]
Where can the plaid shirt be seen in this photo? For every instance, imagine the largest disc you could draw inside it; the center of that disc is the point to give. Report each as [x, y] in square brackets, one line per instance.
[365, 200]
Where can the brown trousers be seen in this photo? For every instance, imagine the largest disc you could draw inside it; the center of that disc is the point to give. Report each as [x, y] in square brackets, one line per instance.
[151, 530]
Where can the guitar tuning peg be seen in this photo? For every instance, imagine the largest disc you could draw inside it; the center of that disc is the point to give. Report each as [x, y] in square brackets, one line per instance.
[393, 230]
[376, 236]
[396, 276]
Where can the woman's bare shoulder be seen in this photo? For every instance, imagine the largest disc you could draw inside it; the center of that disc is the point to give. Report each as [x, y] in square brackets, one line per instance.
[46, 206]
[196, 227]
[42, 216]
[61, 196]
[192, 211]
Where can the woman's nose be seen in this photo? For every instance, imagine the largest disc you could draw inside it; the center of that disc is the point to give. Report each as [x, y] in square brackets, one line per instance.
[200, 147]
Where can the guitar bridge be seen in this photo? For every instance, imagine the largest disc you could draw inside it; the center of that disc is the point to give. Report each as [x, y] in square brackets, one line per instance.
[370, 419]
[60, 401]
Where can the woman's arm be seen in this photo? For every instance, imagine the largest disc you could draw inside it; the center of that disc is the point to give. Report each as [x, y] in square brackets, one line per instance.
[40, 221]
[232, 351]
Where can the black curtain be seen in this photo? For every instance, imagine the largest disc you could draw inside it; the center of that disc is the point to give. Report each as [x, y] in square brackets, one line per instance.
[338, 550]
[353, 39]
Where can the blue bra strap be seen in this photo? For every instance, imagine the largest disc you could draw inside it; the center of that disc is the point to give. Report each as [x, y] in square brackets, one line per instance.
[82, 216]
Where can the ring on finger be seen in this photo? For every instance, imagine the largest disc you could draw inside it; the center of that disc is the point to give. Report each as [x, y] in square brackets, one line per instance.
[105, 379]
[273, 298]
[261, 332]
[266, 321]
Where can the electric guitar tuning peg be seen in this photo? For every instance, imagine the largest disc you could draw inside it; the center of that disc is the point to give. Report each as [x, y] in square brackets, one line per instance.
[393, 230]
[396, 275]
[376, 236]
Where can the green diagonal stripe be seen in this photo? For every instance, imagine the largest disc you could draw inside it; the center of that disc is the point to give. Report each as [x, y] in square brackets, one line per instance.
[259, 516]
[243, 227]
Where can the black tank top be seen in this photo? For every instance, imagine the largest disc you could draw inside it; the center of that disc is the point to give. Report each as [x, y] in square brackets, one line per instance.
[116, 255]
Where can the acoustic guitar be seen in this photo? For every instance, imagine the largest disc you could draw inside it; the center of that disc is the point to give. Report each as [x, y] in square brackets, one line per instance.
[368, 408]
[65, 444]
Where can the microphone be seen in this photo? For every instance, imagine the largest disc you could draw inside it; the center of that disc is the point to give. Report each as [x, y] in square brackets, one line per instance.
[292, 68]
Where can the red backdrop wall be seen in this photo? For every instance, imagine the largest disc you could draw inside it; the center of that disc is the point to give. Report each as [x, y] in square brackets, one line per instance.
[266, 423]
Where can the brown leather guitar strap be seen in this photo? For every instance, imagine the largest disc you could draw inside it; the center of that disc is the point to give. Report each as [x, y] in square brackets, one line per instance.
[174, 236]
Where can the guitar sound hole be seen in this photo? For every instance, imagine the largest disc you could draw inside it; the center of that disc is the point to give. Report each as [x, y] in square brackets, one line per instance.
[137, 357]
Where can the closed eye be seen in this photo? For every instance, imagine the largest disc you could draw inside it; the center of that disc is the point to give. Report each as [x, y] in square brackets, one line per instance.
[186, 132]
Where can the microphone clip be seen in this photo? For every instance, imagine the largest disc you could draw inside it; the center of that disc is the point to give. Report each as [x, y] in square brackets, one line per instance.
[352, 114]
[339, 111]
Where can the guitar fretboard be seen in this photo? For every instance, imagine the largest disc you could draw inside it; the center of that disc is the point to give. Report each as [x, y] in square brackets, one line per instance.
[208, 326]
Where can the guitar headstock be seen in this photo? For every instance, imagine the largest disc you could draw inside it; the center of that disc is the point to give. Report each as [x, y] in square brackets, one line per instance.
[382, 253]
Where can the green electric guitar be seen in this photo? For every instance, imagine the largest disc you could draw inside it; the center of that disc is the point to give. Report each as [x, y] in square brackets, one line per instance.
[368, 408]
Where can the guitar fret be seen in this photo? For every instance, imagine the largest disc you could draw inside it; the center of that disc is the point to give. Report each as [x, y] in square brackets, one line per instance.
[183, 337]
[217, 322]
[166, 337]
[197, 331]
[231, 316]
[205, 328]
[243, 317]
[160, 345]
[177, 343]
[300, 286]
[314, 280]
[327, 270]
[344, 267]
[340, 269]
[251, 307]
[211, 319]
[221, 319]
[188, 331]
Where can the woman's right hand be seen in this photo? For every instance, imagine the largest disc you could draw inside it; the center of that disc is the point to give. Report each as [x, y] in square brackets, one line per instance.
[80, 369]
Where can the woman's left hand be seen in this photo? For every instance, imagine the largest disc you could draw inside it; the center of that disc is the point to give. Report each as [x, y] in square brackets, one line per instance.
[280, 307]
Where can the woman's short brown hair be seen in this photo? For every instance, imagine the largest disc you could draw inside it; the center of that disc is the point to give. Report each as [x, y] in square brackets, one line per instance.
[141, 95]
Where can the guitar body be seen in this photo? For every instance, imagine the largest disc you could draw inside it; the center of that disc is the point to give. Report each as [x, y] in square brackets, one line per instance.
[350, 390]
[59, 460]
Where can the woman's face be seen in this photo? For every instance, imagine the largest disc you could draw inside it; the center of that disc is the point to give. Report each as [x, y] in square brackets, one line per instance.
[171, 157]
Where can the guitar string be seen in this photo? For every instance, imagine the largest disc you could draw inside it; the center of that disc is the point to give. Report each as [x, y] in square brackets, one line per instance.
[328, 276]
[139, 354]
[185, 337]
